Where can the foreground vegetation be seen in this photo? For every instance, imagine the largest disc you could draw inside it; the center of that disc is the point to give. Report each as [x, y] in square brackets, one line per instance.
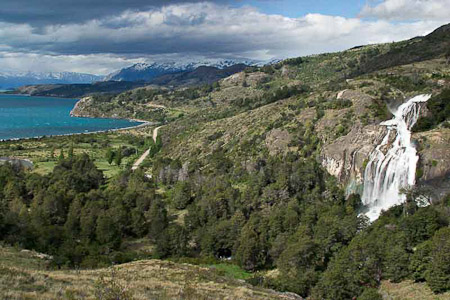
[45, 153]
[25, 275]
[318, 242]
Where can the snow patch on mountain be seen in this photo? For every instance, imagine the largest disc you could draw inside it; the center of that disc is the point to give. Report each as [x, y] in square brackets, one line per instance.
[145, 71]
[9, 80]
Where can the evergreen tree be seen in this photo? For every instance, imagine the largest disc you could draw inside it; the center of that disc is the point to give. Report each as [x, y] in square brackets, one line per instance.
[110, 156]
[438, 275]
[181, 196]
[370, 294]
[70, 153]
[157, 219]
[61, 154]
[107, 230]
[118, 157]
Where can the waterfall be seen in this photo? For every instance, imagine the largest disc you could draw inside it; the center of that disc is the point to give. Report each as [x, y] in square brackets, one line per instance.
[392, 165]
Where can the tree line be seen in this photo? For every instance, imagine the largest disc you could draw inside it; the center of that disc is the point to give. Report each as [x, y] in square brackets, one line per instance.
[276, 212]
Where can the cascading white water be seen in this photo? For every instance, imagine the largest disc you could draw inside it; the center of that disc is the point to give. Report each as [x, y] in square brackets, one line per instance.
[392, 165]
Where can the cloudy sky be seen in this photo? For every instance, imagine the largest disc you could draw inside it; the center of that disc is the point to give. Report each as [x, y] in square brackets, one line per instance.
[100, 36]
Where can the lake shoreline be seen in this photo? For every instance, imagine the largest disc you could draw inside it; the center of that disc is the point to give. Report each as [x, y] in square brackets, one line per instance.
[13, 93]
[143, 123]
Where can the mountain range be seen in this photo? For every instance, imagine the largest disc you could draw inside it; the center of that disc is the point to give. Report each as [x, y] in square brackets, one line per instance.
[148, 71]
[198, 76]
[10, 80]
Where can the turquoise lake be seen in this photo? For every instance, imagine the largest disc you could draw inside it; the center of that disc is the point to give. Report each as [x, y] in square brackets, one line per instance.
[26, 117]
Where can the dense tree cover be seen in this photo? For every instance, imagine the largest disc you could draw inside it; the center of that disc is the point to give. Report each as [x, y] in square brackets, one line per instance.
[439, 111]
[288, 213]
[395, 247]
[71, 214]
[282, 212]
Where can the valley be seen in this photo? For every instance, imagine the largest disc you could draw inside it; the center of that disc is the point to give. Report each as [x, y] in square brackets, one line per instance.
[263, 171]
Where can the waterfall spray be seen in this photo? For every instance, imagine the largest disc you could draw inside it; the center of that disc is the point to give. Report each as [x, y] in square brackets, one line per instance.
[392, 165]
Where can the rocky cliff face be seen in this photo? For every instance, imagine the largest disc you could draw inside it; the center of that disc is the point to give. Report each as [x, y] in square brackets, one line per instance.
[346, 157]
[434, 164]
[85, 108]
[81, 108]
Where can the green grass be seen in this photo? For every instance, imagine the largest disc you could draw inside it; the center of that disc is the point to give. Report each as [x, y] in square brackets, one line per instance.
[40, 150]
[44, 167]
[109, 170]
[230, 270]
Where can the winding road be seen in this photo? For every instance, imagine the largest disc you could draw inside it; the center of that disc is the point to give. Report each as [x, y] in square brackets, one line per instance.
[141, 159]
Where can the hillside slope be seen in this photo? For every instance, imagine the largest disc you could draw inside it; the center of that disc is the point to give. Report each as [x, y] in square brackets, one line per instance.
[264, 168]
[350, 94]
[199, 76]
[23, 275]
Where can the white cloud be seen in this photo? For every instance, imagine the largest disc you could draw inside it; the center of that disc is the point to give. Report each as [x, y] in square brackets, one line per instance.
[409, 10]
[201, 29]
[99, 64]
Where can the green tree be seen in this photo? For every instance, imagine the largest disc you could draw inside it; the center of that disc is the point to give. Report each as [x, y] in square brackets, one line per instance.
[70, 153]
[353, 268]
[298, 262]
[420, 261]
[107, 230]
[118, 157]
[370, 294]
[181, 196]
[61, 154]
[110, 156]
[438, 275]
[157, 219]
[252, 249]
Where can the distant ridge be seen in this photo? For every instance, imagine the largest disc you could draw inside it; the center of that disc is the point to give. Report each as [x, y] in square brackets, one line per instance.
[10, 80]
[201, 75]
[198, 76]
[149, 71]
[433, 45]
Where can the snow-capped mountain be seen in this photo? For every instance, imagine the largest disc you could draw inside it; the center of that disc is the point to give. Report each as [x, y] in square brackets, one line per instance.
[10, 80]
[147, 71]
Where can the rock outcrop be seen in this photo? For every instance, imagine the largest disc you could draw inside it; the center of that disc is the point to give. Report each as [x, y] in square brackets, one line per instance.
[434, 164]
[347, 156]
[79, 110]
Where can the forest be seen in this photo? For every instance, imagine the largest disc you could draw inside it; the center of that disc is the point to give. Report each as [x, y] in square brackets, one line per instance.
[285, 214]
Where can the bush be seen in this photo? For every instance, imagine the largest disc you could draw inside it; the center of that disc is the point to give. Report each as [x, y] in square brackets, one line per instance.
[370, 294]
[438, 275]
[111, 289]
[439, 110]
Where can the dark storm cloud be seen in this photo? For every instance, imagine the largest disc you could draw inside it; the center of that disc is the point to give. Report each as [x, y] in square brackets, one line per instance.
[44, 12]
[201, 29]
[94, 36]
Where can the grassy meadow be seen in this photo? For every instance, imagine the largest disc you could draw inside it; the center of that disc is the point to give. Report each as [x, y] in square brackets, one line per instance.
[45, 152]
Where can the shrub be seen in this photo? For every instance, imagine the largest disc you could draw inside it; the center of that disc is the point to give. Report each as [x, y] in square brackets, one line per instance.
[439, 107]
[438, 275]
[370, 294]
[111, 289]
